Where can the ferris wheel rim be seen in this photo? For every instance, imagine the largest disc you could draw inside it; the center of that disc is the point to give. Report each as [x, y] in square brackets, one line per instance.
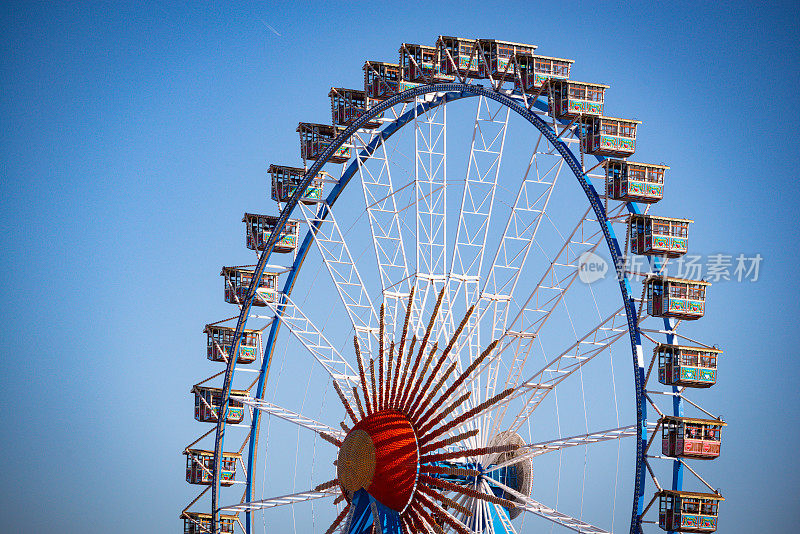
[450, 92]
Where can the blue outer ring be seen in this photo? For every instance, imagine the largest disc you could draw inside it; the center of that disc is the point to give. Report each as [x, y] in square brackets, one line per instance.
[452, 91]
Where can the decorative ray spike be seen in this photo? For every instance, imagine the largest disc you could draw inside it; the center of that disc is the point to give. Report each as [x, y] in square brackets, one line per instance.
[411, 391]
[374, 388]
[445, 354]
[415, 520]
[358, 402]
[469, 492]
[344, 427]
[425, 517]
[454, 471]
[439, 384]
[339, 518]
[446, 500]
[330, 439]
[458, 381]
[480, 451]
[447, 411]
[424, 389]
[394, 392]
[362, 375]
[460, 328]
[431, 322]
[459, 527]
[405, 380]
[380, 402]
[388, 385]
[381, 331]
[448, 441]
[477, 410]
[408, 317]
[346, 404]
[326, 485]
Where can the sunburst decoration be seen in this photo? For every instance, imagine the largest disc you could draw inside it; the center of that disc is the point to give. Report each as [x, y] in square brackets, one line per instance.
[397, 445]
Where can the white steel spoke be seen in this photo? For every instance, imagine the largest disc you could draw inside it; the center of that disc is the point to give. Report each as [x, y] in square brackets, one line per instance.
[343, 272]
[381, 205]
[477, 201]
[292, 417]
[558, 277]
[537, 508]
[292, 498]
[520, 233]
[430, 167]
[501, 513]
[537, 449]
[559, 368]
[316, 343]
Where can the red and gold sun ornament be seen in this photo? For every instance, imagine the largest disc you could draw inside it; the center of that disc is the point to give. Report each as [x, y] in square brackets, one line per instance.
[400, 430]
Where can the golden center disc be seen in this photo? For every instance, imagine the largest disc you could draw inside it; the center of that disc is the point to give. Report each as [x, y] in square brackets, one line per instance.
[355, 466]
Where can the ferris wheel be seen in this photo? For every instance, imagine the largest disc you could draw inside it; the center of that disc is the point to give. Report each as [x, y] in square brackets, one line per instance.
[461, 318]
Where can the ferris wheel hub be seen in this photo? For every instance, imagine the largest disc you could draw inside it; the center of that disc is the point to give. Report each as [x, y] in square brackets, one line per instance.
[380, 454]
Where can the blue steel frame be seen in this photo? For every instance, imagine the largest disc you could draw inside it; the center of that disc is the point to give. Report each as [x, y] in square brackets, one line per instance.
[450, 92]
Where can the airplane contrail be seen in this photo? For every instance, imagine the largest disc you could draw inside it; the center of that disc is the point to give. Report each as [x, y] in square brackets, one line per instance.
[270, 27]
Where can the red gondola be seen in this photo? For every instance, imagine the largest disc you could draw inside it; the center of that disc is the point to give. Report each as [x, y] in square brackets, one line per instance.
[207, 402]
[692, 367]
[200, 465]
[259, 228]
[316, 138]
[534, 71]
[570, 99]
[380, 80]
[652, 235]
[220, 338]
[349, 104]
[634, 182]
[286, 179]
[237, 283]
[460, 57]
[196, 523]
[498, 57]
[676, 297]
[683, 437]
[686, 511]
[609, 136]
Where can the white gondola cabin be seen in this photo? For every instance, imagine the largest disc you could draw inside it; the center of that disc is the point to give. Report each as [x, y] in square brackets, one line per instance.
[316, 138]
[571, 99]
[686, 511]
[207, 402]
[676, 297]
[634, 182]
[684, 437]
[534, 71]
[460, 57]
[347, 105]
[286, 179]
[196, 523]
[652, 235]
[220, 338]
[380, 80]
[200, 467]
[419, 64]
[259, 228]
[693, 367]
[237, 282]
[609, 136]
[499, 57]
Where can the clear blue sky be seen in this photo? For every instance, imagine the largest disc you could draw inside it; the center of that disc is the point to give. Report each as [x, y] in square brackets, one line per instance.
[130, 134]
